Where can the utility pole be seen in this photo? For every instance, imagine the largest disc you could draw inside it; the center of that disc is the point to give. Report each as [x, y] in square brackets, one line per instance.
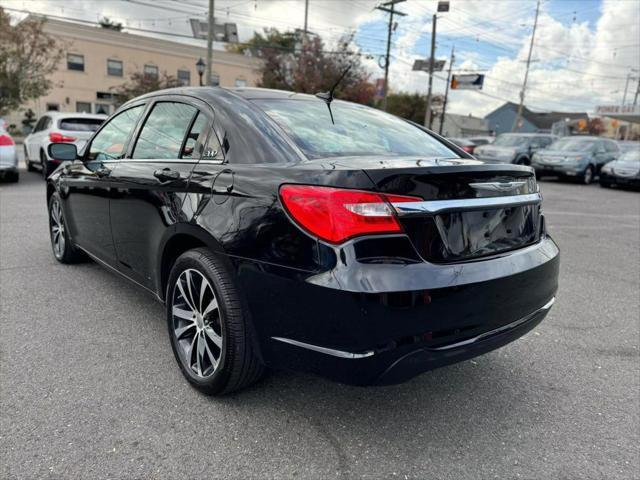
[526, 73]
[306, 17]
[427, 113]
[446, 91]
[388, 7]
[209, 44]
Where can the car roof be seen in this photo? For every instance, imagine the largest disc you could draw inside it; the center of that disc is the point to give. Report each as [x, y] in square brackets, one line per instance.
[63, 115]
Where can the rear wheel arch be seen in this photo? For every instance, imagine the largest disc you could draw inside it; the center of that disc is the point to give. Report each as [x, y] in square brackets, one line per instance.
[183, 239]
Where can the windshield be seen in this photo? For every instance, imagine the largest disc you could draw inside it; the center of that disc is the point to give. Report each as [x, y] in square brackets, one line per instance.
[510, 141]
[632, 156]
[358, 130]
[573, 145]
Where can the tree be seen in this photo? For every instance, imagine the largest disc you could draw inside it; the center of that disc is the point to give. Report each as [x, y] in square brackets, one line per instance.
[140, 83]
[596, 126]
[28, 56]
[307, 67]
[407, 105]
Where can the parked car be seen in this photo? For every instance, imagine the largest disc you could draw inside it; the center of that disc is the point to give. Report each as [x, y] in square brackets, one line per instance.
[8, 157]
[481, 140]
[578, 157]
[367, 250]
[56, 127]
[627, 145]
[623, 172]
[513, 148]
[464, 143]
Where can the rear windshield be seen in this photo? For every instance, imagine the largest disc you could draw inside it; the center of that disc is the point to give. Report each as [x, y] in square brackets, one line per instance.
[358, 130]
[573, 145]
[80, 124]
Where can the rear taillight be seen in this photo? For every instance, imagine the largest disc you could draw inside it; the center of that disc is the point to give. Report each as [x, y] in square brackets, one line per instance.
[56, 137]
[335, 214]
[467, 149]
[6, 140]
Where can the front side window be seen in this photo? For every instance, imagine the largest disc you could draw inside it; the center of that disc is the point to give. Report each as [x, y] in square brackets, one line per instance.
[75, 62]
[184, 77]
[164, 131]
[151, 71]
[110, 142]
[114, 68]
[358, 130]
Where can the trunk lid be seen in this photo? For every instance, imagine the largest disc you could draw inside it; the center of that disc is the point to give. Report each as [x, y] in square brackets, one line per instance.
[482, 217]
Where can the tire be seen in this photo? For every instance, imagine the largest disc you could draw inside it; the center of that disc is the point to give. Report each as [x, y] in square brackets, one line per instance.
[44, 165]
[587, 176]
[211, 341]
[63, 249]
[28, 163]
[13, 177]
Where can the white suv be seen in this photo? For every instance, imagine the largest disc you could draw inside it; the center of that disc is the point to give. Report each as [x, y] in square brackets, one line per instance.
[55, 127]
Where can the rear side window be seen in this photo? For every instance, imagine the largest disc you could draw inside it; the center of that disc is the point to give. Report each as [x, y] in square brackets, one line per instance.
[110, 142]
[164, 131]
[358, 130]
[80, 124]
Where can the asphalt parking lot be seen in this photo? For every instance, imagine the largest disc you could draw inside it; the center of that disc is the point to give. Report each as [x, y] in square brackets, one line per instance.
[89, 387]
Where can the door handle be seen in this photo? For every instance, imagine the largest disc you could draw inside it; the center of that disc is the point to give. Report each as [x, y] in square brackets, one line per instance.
[166, 175]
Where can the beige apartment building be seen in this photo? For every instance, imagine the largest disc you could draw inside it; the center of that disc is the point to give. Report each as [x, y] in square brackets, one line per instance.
[97, 59]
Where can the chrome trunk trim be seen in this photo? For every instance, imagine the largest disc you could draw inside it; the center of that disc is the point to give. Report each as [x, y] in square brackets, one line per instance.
[433, 207]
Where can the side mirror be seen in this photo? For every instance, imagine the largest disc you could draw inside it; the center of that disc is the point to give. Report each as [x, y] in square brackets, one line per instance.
[62, 151]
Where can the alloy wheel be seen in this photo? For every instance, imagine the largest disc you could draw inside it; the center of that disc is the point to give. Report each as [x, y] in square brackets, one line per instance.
[58, 239]
[196, 322]
[588, 175]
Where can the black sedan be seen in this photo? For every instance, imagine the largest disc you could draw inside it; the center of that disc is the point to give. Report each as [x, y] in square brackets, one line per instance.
[290, 231]
[623, 172]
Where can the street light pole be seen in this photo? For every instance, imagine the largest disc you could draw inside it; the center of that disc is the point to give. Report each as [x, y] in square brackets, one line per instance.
[200, 69]
[210, 43]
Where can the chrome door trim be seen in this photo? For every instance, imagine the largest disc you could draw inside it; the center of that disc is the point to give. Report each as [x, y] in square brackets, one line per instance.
[433, 207]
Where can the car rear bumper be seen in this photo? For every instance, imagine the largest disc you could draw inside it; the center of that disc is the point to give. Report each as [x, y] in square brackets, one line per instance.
[608, 179]
[369, 325]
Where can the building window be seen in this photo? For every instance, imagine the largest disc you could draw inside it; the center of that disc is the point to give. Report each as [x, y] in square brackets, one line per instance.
[241, 82]
[184, 77]
[114, 68]
[75, 62]
[53, 107]
[104, 96]
[151, 71]
[103, 108]
[215, 80]
[84, 107]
